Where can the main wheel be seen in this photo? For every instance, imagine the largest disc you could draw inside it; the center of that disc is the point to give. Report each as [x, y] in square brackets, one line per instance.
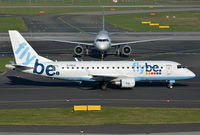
[103, 86]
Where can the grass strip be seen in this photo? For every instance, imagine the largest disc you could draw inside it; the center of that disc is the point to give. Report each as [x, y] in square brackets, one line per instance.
[109, 115]
[12, 23]
[178, 21]
[36, 11]
[97, 2]
[3, 62]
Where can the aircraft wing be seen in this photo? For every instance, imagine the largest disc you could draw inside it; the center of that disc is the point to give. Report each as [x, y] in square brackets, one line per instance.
[72, 42]
[102, 77]
[139, 41]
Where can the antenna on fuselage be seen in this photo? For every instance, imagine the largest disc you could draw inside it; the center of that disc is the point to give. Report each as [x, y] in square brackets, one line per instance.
[103, 20]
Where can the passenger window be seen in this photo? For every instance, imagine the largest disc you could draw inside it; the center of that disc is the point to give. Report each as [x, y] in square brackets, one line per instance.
[82, 67]
[107, 67]
[72, 67]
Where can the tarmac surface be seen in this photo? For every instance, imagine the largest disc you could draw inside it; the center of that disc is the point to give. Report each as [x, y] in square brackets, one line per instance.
[19, 90]
[173, 129]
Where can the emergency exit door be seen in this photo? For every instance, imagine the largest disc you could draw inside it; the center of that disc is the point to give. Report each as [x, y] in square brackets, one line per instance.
[169, 69]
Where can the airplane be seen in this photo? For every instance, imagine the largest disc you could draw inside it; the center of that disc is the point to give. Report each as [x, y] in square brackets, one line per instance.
[122, 73]
[102, 43]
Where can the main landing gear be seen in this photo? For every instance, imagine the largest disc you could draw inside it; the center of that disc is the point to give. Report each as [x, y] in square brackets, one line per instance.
[103, 85]
[170, 83]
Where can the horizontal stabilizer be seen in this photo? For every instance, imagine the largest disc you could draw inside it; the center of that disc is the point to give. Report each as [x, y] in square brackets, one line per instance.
[17, 67]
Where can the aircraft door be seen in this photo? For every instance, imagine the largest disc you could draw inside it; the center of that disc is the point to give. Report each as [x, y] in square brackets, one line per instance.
[56, 67]
[169, 69]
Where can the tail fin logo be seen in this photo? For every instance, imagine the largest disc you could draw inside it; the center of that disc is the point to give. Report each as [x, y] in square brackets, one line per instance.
[40, 68]
[23, 51]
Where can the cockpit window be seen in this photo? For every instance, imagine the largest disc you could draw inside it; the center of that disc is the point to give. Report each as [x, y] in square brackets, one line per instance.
[180, 66]
[102, 40]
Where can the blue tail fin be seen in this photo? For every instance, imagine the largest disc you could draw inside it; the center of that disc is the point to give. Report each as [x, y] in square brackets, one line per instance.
[103, 20]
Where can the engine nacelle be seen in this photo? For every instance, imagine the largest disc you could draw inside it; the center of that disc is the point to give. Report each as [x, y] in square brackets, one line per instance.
[126, 50]
[78, 50]
[127, 83]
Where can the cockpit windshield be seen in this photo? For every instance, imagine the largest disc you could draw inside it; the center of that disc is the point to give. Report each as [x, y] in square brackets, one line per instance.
[180, 66]
[102, 40]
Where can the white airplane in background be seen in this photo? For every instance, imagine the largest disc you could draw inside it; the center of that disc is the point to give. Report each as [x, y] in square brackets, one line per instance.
[122, 73]
[102, 43]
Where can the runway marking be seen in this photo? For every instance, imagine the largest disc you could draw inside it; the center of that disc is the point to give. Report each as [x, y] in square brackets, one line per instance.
[30, 88]
[75, 100]
[72, 26]
[1, 74]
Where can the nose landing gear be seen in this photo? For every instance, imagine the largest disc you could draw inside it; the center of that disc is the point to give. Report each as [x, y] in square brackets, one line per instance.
[170, 83]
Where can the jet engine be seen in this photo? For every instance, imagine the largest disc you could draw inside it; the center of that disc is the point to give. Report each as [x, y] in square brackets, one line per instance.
[126, 50]
[78, 50]
[126, 83]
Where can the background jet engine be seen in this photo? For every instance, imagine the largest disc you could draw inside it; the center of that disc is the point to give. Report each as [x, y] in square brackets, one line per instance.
[78, 50]
[126, 50]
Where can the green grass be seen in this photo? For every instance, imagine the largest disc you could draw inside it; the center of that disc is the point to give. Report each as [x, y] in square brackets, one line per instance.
[3, 62]
[36, 11]
[92, 2]
[12, 23]
[111, 115]
[184, 21]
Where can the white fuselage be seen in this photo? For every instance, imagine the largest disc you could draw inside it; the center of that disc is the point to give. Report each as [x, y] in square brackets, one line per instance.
[139, 70]
[123, 73]
[102, 41]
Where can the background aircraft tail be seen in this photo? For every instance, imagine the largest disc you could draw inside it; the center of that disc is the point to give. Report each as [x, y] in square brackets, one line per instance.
[103, 21]
[24, 54]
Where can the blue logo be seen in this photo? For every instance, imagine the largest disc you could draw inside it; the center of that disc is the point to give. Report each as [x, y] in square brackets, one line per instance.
[39, 68]
[28, 59]
[145, 68]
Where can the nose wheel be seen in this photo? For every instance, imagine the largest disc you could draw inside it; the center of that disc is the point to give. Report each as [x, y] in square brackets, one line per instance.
[170, 84]
[102, 56]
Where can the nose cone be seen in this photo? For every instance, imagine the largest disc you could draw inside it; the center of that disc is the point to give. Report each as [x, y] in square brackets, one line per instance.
[102, 46]
[189, 74]
[192, 74]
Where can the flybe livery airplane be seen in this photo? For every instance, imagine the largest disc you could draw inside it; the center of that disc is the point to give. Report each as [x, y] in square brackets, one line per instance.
[122, 73]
